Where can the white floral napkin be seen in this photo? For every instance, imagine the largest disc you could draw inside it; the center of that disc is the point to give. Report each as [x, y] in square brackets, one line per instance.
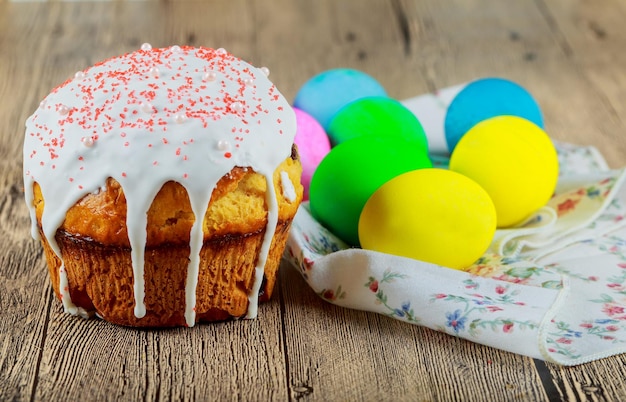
[553, 288]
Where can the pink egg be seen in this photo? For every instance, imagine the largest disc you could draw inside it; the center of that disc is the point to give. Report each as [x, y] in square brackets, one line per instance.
[313, 144]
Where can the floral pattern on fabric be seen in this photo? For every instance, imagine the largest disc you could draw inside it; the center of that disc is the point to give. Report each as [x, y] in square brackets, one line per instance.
[475, 312]
[376, 285]
[596, 322]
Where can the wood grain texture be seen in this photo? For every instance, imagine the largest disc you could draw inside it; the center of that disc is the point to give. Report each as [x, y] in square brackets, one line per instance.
[594, 381]
[240, 360]
[568, 53]
[25, 296]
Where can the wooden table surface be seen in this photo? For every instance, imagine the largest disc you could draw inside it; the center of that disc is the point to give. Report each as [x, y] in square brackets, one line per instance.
[568, 53]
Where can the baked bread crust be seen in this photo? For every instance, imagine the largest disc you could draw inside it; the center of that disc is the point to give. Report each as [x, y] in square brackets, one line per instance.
[94, 245]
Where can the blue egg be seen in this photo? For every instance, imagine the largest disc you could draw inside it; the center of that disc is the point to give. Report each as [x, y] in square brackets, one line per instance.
[324, 94]
[486, 98]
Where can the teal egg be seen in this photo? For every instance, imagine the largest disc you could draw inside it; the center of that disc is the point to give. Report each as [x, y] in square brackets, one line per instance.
[351, 172]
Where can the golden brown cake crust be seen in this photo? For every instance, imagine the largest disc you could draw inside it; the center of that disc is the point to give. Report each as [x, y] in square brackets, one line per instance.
[95, 248]
[237, 206]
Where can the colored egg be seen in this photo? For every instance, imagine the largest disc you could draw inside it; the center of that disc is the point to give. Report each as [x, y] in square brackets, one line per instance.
[485, 98]
[313, 144]
[514, 160]
[324, 94]
[376, 115]
[350, 174]
[431, 215]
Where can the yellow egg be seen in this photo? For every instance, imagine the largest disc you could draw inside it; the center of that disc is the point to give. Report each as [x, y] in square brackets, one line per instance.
[513, 160]
[432, 215]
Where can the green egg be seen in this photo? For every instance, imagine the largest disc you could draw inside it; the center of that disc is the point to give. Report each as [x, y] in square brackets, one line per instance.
[376, 116]
[351, 172]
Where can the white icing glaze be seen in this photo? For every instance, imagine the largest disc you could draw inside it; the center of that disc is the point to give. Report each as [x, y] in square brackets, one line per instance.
[81, 312]
[289, 191]
[184, 114]
[272, 220]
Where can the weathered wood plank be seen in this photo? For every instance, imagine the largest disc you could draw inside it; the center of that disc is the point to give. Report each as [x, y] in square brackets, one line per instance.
[240, 360]
[601, 380]
[592, 32]
[25, 295]
[307, 38]
[593, 35]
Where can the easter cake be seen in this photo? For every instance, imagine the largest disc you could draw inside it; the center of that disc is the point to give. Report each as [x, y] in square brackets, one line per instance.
[162, 184]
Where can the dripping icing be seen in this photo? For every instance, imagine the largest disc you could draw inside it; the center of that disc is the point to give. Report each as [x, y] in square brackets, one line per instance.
[272, 220]
[289, 191]
[83, 129]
